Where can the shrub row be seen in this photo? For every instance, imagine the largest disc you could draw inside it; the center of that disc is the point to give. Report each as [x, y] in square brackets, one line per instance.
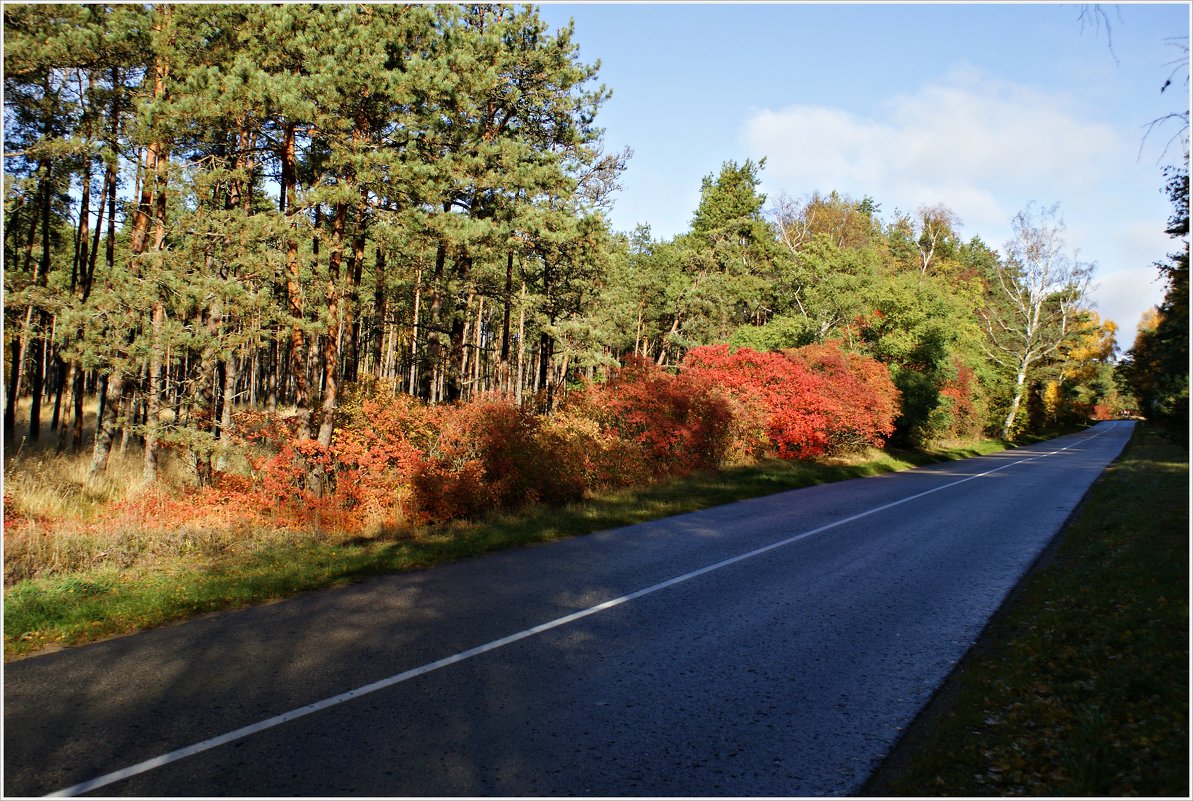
[394, 460]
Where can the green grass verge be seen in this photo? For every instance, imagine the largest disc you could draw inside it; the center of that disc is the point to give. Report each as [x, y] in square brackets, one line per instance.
[1080, 687]
[73, 609]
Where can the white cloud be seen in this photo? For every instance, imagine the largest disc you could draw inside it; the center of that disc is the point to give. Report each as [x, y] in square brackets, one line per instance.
[1127, 281]
[981, 146]
[985, 148]
[1123, 296]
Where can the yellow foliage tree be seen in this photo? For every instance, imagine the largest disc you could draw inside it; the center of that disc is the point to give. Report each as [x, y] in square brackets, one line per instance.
[1092, 345]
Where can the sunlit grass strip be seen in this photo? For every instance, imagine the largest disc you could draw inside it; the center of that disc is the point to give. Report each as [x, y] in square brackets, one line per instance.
[80, 607]
[1080, 688]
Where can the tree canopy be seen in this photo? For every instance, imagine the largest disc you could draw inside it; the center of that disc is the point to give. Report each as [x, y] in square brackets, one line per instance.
[217, 208]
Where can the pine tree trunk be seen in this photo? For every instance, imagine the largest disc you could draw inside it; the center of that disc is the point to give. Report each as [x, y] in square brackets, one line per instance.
[377, 331]
[428, 375]
[66, 430]
[521, 345]
[99, 461]
[231, 382]
[14, 384]
[356, 260]
[111, 179]
[77, 395]
[298, 349]
[546, 351]
[414, 375]
[41, 332]
[331, 346]
[106, 425]
[465, 326]
[203, 394]
[153, 411]
[503, 361]
[87, 274]
[638, 331]
[82, 244]
[59, 374]
[140, 228]
[666, 342]
[157, 320]
[271, 373]
[151, 169]
[451, 367]
[390, 349]
[231, 371]
[12, 396]
[128, 413]
[477, 366]
[37, 379]
[254, 374]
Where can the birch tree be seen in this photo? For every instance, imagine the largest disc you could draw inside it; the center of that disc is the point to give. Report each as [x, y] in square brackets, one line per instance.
[1035, 292]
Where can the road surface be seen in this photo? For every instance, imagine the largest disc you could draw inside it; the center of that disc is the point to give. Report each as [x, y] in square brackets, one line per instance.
[775, 646]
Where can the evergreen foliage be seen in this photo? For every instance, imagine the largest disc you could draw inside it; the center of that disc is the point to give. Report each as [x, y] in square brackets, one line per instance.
[215, 212]
[1156, 368]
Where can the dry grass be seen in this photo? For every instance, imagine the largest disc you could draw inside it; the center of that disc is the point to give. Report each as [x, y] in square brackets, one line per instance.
[59, 521]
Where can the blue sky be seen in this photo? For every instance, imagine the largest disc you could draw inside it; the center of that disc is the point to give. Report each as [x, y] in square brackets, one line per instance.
[982, 108]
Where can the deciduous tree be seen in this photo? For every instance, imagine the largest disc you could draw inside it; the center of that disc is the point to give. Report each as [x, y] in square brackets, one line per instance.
[1035, 291]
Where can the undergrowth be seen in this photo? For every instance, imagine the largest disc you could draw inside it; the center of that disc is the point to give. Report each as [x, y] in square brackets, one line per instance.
[182, 574]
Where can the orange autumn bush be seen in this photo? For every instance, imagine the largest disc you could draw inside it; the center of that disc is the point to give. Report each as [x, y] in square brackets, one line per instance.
[378, 448]
[491, 453]
[395, 461]
[592, 455]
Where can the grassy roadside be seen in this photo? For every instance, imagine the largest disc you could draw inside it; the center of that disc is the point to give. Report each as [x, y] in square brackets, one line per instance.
[81, 607]
[1080, 686]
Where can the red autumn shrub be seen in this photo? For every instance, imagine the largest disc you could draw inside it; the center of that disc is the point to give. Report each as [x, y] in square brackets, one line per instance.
[781, 397]
[280, 463]
[469, 465]
[808, 401]
[450, 492]
[267, 443]
[1104, 411]
[960, 391]
[676, 423]
[394, 459]
[499, 454]
[862, 401]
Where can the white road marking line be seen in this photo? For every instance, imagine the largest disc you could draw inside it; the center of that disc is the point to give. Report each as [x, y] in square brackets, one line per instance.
[335, 700]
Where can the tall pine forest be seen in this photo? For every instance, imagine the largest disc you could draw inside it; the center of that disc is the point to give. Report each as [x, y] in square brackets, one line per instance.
[297, 229]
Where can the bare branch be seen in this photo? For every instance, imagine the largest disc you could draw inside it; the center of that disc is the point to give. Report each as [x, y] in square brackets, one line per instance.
[1095, 16]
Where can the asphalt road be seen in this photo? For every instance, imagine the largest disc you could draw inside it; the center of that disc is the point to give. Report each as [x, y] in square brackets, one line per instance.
[768, 647]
